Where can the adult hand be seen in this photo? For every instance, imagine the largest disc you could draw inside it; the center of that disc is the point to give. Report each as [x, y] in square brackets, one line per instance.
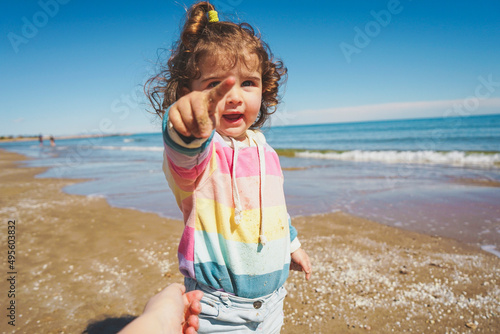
[171, 311]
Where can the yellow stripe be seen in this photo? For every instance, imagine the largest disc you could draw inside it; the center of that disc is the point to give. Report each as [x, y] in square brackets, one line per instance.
[179, 194]
[212, 165]
[218, 218]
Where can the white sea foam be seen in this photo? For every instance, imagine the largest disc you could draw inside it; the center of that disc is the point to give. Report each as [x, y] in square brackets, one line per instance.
[132, 148]
[455, 158]
[491, 249]
[96, 196]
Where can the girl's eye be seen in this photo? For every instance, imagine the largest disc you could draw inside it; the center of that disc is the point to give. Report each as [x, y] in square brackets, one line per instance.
[213, 84]
[247, 83]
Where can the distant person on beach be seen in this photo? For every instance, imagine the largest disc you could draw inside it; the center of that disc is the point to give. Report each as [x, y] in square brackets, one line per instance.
[52, 141]
[171, 311]
[40, 139]
[218, 88]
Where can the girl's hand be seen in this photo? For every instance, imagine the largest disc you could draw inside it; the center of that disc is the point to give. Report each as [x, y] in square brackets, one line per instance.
[194, 114]
[191, 311]
[300, 262]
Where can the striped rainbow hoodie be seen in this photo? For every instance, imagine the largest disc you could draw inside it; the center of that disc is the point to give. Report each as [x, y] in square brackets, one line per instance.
[238, 235]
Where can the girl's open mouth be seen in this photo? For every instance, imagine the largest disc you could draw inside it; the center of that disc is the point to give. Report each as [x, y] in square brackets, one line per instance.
[232, 118]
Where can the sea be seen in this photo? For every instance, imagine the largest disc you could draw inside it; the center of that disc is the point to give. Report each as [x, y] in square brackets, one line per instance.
[439, 176]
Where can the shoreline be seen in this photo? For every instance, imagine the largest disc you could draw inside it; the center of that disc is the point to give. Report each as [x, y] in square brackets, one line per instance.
[83, 260]
[46, 138]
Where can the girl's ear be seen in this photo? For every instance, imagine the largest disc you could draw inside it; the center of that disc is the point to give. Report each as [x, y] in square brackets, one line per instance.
[185, 91]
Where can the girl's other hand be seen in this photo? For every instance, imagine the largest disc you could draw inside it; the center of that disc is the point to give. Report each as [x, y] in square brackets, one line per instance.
[300, 262]
[195, 114]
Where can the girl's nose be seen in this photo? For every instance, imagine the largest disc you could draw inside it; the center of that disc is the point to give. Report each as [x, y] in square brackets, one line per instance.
[234, 96]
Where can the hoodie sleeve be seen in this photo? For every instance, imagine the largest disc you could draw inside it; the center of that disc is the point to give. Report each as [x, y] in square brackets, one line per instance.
[185, 157]
[295, 243]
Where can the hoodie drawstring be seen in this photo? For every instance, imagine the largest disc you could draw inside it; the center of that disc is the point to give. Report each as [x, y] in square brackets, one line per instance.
[236, 195]
[262, 163]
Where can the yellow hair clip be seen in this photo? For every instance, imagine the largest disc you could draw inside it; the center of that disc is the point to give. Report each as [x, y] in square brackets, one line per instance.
[212, 16]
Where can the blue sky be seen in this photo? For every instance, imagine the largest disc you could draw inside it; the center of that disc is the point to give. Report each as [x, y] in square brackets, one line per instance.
[77, 67]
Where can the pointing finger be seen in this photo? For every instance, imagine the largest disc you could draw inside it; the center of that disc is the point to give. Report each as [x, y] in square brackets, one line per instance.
[218, 92]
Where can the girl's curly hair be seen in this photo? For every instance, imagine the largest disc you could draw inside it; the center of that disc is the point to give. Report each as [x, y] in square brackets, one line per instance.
[202, 40]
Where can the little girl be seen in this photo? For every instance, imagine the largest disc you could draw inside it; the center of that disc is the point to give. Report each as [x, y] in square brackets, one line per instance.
[238, 245]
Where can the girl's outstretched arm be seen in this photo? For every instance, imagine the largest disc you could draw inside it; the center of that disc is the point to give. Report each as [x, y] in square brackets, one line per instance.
[194, 114]
[300, 262]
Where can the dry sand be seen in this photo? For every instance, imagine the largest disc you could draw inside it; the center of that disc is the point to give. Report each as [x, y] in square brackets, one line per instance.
[85, 267]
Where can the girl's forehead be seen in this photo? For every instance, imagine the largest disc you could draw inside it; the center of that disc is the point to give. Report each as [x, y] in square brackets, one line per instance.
[223, 62]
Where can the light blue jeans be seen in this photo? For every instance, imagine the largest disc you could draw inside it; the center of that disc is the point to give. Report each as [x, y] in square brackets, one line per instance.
[225, 313]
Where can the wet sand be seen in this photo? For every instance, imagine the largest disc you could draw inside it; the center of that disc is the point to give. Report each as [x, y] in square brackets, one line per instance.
[83, 266]
[485, 182]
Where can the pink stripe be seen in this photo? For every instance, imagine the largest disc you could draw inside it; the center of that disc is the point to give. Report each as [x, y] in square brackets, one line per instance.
[219, 189]
[182, 183]
[190, 174]
[186, 246]
[187, 212]
[224, 157]
[273, 166]
[247, 164]
[185, 179]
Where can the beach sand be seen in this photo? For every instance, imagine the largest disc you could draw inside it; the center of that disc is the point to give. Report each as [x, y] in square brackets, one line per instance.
[85, 267]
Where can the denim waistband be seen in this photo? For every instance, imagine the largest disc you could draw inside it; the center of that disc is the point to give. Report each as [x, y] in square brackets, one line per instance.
[211, 293]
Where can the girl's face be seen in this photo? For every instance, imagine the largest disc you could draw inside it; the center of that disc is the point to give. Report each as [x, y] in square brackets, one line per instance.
[239, 108]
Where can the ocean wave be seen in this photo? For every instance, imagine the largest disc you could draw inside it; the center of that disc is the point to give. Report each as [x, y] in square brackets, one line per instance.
[455, 158]
[492, 249]
[132, 148]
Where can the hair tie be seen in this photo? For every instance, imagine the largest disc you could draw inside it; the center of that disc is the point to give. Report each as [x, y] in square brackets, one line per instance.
[212, 16]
